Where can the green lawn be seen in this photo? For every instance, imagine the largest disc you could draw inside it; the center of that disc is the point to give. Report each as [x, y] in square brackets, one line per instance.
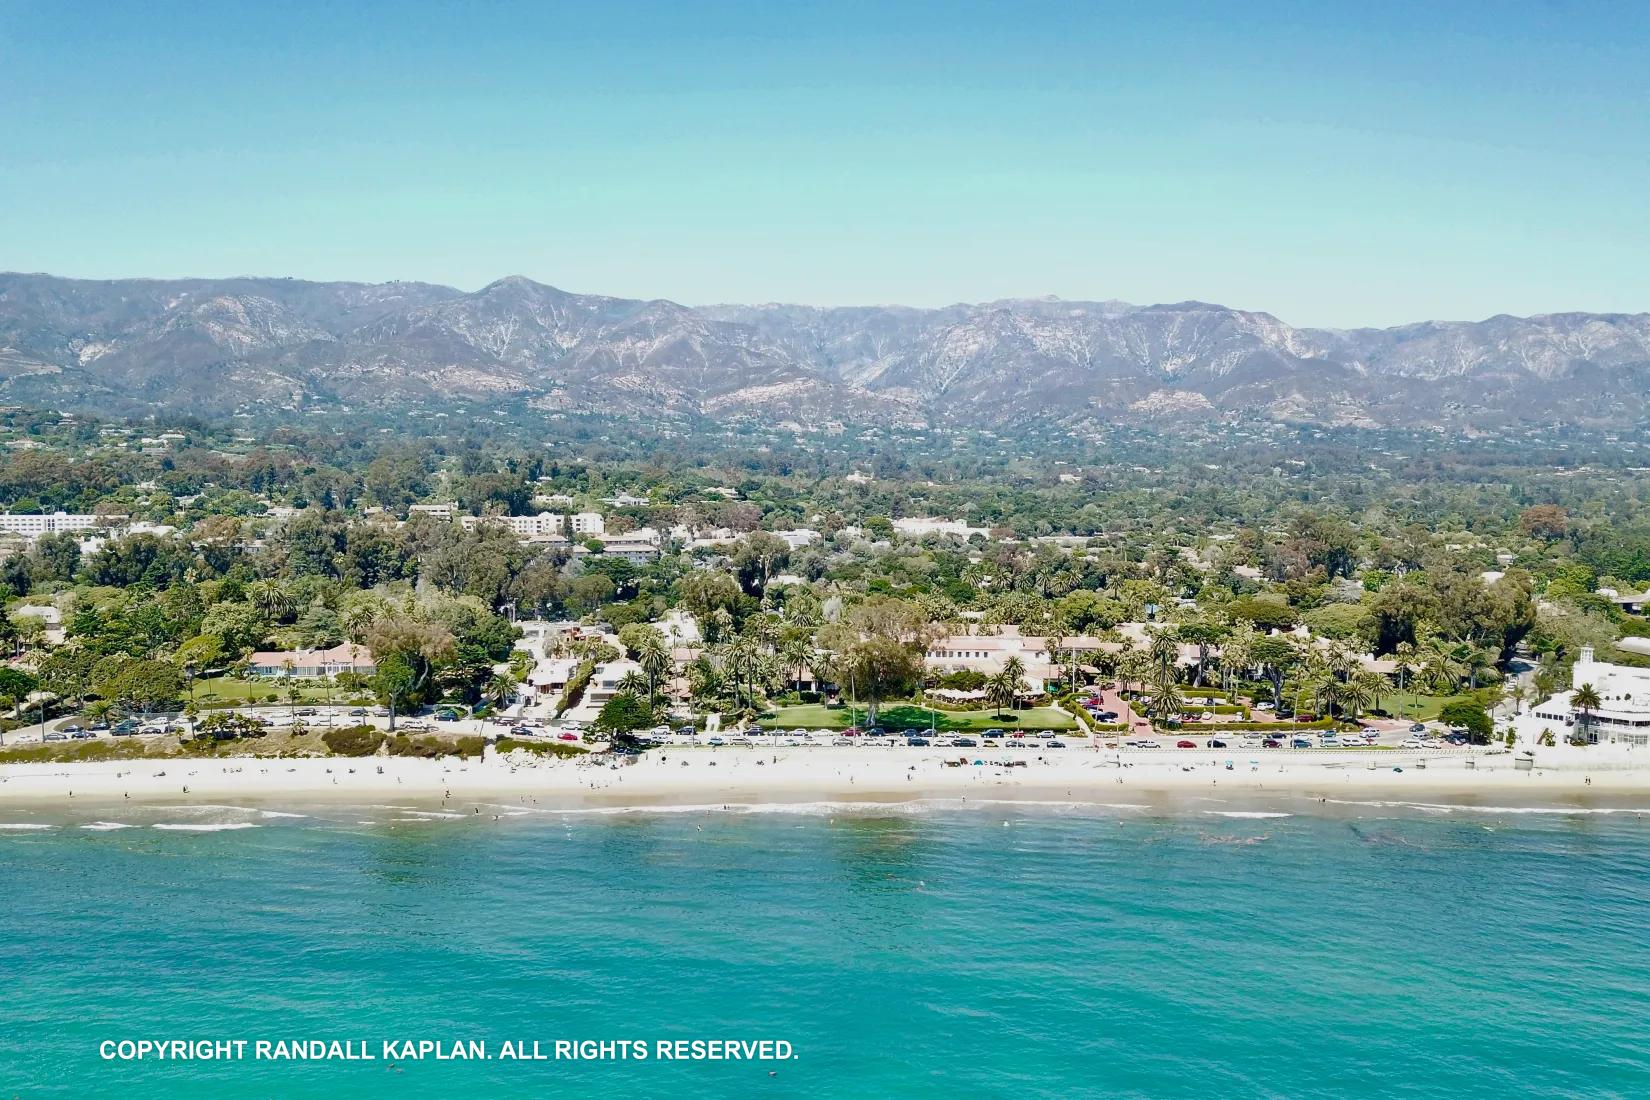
[910, 716]
[227, 691]
[1408, 704]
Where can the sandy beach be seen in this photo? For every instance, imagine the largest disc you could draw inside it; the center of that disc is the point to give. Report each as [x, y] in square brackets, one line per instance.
[717, 778]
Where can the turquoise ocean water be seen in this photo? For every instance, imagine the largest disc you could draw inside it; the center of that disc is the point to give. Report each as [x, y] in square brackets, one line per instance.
[989, 952]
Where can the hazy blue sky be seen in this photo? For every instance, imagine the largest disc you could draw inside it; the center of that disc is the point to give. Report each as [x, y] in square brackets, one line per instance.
[1336, 164]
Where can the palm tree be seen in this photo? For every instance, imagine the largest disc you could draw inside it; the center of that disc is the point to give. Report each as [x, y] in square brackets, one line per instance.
[500, 690]
[633, 682]
[797, 654]
[270, 599]
[655, 661]
[1166, 703]
[1001, 690]
[1015, 670]
[1477, 660]
[1585, 701]
[1403, 660]
[1236, 656]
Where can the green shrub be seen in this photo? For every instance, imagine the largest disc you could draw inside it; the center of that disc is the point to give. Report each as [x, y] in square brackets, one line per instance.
[353, 740]
[542, 748]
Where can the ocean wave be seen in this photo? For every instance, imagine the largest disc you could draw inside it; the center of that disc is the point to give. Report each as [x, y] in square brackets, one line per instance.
[205, 827]
[24, 826]
[106, 826]
[278, 813]
[1452, 807]
[1247, 813]
[845, 807]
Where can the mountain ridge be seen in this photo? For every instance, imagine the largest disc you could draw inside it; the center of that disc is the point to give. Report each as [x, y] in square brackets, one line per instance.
[278, 345]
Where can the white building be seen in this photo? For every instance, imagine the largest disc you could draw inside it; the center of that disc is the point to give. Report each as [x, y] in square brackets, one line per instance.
[33, 526]
[588, 523]
[1622, 717]
[435, 511]
[525, 527]
[920, 527]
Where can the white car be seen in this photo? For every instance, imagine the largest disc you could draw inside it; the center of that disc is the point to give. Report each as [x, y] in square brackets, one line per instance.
[1146, 745]
[1412, 743]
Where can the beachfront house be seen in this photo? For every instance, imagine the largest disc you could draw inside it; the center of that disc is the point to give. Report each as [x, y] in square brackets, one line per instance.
[1621, 718]
[312, 664]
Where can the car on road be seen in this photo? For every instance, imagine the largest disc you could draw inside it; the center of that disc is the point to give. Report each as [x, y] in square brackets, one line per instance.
[307, 712]
[1055, 745]
[714, 739]
[1217, 743]
[964, 743]
[1417, 728]
[358, 712]
[918, 742]
[55, 736]
[839, 742]
[83, 735]
[1271, 743]
[1300, 743]
[1412, 743]
[1185, 744]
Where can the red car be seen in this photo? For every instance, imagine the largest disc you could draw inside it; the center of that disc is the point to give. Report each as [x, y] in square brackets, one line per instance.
[569, 737]
[1185, 744]
[1272, 744]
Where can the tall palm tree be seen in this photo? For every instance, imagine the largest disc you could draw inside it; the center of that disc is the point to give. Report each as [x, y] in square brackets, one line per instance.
[1001, 690]
[1015, 670]
[1236, 657]
[1585, 701]
[797, 654]
[1166, 702]
[655, 661]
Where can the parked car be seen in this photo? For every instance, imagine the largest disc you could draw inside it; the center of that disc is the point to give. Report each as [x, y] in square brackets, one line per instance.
[358, 712]
[1217, 743]
[1412, 743]
[1300, 743]
[1185, 744]
[55, 736]
[964, 743]
[1271, 743]
[1417, 728]
[306, 712]
[82, 735]
[917, 742]
[841, 741]
[1055, 745]
[714, 740]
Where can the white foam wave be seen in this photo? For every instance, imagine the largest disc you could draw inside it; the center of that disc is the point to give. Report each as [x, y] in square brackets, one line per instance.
[106, 826]
[1246, 813]
[1453, 807]
[204, 827]
[278, 813]
[24, 826]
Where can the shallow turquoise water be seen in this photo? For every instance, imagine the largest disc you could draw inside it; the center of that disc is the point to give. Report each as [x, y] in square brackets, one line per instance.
[1077, 952]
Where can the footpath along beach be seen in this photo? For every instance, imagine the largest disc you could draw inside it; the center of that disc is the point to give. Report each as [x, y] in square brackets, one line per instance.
[713, 779]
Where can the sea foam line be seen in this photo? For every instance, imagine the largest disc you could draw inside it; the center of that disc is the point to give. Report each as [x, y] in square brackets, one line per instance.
[196, 827]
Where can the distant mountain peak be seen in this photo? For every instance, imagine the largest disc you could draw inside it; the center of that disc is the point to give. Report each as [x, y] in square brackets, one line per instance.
[220, 345]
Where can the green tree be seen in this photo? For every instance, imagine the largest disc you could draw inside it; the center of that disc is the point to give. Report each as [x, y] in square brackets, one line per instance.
[623, 713]
[1585, 702]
